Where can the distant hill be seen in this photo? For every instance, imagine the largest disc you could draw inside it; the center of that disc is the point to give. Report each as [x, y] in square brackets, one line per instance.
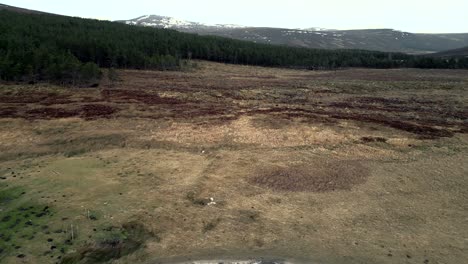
[462, 52]
[20, 10]
[388, 40]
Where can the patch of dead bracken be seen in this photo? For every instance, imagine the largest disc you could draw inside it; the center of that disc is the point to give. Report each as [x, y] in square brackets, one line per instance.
[317, 176]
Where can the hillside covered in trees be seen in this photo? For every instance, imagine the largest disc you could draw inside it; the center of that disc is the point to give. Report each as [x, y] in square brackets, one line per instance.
[462, 52]
[42, 47]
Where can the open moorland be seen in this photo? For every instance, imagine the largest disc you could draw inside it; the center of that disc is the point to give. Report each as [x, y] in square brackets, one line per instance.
[237, 162]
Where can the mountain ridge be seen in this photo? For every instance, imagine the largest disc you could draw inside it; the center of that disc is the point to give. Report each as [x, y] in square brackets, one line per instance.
[171, 22]
[388, 40]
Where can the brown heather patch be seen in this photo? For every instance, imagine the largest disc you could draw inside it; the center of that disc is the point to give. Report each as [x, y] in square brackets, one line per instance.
[89, 111]
[395, 75]
[8, 112]
[127, 96]
[49, 112]
[373, 139]
[30, 97]
[428, 108]
[422, 130]
[317, 176]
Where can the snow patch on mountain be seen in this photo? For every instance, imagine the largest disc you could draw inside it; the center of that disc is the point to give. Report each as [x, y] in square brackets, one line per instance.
[174, 23]
[316, 29]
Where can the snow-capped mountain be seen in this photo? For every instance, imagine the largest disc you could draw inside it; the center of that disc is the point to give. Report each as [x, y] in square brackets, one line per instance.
[174, 23]
[315, 37]
[316, 29]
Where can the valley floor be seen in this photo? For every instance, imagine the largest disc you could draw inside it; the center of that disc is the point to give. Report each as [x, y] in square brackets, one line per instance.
[237, 162]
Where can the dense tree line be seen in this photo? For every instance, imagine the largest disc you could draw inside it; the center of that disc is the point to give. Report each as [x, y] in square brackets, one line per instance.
[71, 50]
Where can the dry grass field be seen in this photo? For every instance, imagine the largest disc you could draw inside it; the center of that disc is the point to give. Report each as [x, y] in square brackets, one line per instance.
[237, 162]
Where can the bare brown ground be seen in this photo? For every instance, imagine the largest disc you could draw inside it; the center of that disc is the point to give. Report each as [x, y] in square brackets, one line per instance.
[229, 161]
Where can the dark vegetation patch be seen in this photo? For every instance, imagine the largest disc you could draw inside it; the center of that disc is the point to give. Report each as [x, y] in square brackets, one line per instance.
[126, 96]
[328, 117]
[284, 114]
[50, 113]
[393, 105]
[57, 99]
[80, 145]
[211, 225]
[407, 116]
[28, 97]
[381, 100]
[90, 99]
[51, 105]
[317, 176]
[8, 112]
[92, 111]
[399, 75]
[113, 243]
[88, 111]
[424, 131]
[373, 139]
[195, 199]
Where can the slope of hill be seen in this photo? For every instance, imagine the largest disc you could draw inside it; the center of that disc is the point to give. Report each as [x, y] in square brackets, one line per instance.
[462, 52]
[369, 39]
[20, 10]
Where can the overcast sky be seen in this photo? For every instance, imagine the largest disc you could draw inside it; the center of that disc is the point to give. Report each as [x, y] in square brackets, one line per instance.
[419, 16]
